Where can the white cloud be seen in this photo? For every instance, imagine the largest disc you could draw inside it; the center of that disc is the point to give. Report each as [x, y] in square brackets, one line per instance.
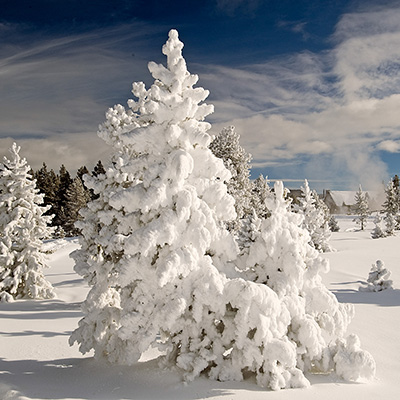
[72, 150]
[321, 115]
[54, 92]
[390, 146]
[341, 105]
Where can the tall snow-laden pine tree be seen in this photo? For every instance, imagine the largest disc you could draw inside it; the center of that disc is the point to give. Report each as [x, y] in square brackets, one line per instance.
[22, 226]
[227, 147]
[361, 208]
[315, 219]
[154, 240]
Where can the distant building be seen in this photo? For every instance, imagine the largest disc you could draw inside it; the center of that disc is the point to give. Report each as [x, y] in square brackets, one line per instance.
[343, 202]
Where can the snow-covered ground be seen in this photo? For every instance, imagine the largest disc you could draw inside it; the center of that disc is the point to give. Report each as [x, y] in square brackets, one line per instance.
[36, 361]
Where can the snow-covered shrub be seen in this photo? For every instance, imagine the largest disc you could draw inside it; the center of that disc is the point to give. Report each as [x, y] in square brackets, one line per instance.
[378, 278]
[22, 226]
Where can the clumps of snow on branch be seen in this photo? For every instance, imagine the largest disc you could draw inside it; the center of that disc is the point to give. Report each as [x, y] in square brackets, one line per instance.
[22, 228]
[282, 259]
[316, 218]
[227, 147]
[378, 278]
[165, 271]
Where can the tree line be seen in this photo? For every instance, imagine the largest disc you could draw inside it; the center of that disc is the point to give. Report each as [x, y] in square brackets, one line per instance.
[65, 195]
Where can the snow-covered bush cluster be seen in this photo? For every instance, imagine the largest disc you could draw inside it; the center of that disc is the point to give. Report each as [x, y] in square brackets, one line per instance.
[161, 262]
[22, 226]
[378, 278]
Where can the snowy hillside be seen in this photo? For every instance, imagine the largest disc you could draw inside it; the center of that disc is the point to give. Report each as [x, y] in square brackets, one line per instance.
[36, 361]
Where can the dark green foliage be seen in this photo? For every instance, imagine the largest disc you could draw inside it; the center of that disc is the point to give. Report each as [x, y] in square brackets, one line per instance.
[98, 169]
[65, 196]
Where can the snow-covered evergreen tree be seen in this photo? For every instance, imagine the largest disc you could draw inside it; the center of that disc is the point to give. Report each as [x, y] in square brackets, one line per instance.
[390, 208]
[22, 226]
[361, 208]
[333, 224]
[283, 262]
[76, 198]
[377, 232]
[154, 240]
[315, 219]
[48, 183]
[226, 146]
[261, 192]
[378, 278]
[159, 260]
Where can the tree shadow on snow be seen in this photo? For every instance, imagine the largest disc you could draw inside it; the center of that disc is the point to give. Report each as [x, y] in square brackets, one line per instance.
[89, 379]
[46, 334]
[385, 298]
[39, 306]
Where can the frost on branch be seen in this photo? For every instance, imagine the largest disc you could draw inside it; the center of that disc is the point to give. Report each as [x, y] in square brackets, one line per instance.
[161, 263]
[22, 227]
[378, 278]
[227, 147]
[315, 218]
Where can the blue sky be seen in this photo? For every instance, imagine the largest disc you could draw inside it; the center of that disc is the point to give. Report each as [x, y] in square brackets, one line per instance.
[312, 87]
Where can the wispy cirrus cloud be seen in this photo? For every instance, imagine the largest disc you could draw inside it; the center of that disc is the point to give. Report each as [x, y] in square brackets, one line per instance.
[335, 108]
[324, 116]
[55, 90]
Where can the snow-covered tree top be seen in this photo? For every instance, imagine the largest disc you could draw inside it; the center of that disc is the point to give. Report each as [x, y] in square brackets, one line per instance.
[171, 101]
[15, 161]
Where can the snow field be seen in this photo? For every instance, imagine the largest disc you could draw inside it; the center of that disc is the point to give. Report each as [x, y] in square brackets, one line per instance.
[37, 363]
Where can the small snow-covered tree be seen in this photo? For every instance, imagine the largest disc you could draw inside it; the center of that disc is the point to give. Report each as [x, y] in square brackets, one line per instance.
[22, 226]
[333, 224]
[361, 208]
[315, 219]
[378, 278]
[154, 241]
[226, 146]
[390, 209]
[377, 232]
[261, 192]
